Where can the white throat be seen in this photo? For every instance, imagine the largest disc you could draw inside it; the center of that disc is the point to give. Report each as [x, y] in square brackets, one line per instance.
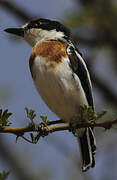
[33, 36]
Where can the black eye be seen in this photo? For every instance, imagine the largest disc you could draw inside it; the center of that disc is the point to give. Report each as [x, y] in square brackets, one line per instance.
[40, 23]
[36, 25]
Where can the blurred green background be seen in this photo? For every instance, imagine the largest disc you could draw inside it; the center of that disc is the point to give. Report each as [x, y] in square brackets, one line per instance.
[93, 24]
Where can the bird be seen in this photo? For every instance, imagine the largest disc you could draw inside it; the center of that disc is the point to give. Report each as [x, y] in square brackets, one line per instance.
[61, 76]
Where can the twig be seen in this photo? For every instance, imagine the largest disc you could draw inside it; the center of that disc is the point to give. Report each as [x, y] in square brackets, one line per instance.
[14, 163]
[56, 122]
[105, 89]
[17, 131]
[16, 10]
[54, 128]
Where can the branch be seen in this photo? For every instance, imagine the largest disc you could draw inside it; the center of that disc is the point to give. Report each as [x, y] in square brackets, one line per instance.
[44, 130]
[105, 89]
[14, 163]
[16, 10]
[45, 127]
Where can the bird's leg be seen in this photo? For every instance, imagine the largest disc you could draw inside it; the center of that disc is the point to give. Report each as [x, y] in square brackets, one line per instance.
[72, 128]
[41, 130]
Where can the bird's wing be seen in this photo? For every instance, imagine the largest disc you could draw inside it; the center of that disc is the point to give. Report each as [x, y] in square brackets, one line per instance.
[79, 68]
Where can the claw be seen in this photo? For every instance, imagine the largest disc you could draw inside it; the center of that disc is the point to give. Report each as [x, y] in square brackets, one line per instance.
[72, 129]
[41, 130]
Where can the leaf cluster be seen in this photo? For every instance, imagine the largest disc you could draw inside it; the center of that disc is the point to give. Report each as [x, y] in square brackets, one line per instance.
[4, 116]
[4, 175]
[45, 120]
[87, 114]
[30, 113]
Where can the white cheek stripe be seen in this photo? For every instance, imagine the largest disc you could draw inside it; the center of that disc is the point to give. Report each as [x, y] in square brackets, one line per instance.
[34, 36]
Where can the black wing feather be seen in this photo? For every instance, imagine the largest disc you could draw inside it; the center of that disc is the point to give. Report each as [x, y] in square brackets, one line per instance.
[79, 68]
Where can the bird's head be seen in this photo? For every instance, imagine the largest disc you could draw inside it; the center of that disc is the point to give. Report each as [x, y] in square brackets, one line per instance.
[41, 29]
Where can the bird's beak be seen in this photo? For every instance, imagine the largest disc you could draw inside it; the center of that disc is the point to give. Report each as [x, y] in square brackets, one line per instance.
[16, 31]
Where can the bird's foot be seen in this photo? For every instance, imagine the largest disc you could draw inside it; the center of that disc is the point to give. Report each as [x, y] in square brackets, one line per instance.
[72, 129]
[42, 129]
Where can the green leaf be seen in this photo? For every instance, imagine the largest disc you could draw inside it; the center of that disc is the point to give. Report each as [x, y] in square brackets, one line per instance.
[4, 175]
[44, 119]
[30, 113]
[4, 116]
[87, 114]
[27, 111]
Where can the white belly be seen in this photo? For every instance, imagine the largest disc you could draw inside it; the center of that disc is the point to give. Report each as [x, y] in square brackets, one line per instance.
[59, 88]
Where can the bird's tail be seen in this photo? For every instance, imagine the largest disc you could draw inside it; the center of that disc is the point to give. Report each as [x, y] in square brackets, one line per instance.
[87, 145]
